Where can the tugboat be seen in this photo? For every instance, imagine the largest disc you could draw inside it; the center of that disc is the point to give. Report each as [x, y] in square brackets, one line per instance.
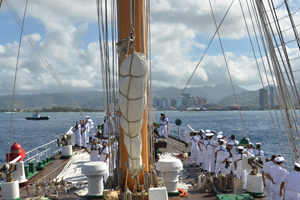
[37, 116]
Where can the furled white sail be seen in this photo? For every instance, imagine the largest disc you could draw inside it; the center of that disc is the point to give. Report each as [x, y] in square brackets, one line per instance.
[132, 101]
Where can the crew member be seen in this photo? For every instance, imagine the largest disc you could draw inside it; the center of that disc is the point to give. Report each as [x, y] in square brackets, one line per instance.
[94, 150]
[91, 128]
[195, 147]
[200, 152]
[87, 131]
[83, 133]
[258, 151]
[240, 174]
[235, 143]
[275, 175]
[210, 145]
[250, 148]
[291, 180]
[228, 167]
[78, 135]
[220, 157]
[104, 157]
[163, 126]
[267, 183]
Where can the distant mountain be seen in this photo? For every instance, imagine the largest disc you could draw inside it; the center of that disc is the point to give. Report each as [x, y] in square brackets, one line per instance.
[212, 94]
[246, 98]
[48, 100]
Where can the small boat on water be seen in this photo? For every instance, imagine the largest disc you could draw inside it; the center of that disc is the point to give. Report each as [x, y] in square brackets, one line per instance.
[37, 116]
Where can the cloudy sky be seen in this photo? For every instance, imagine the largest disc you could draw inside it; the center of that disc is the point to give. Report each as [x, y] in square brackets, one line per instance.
[66, 32]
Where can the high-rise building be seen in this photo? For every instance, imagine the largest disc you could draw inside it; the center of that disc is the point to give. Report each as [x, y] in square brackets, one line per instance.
[155, 102]
[186, 98]
[191, 103]
[173, 102]
[161, 103]
[180, 102]
[263, 97]
[167, 103]
[272, 96]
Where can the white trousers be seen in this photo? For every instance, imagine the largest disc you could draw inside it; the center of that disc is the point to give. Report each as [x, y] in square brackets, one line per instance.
[210, 162]
[275, 192]
[83, 139]
[204, 160]
[87, 137]
[94, 155]
[163, 131]
[200, 154]
[92, 132]
[242, 174]
[194, 154]
[78, 138]
[291, 195]
[219, 167]
[268, 189]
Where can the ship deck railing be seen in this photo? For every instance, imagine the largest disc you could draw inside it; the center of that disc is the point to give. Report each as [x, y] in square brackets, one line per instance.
[39, 153]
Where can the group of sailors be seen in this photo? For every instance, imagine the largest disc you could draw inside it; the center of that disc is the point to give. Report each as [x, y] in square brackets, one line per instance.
[99, 150]
[225, 156]
[83, 129]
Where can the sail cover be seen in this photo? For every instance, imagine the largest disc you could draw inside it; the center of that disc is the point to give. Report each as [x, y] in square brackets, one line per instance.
[132, 100]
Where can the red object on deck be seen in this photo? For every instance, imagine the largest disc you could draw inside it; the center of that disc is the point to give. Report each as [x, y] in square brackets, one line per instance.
[16, 150]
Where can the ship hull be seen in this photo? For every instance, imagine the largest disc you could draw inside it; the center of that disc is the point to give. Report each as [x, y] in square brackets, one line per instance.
[40, 118]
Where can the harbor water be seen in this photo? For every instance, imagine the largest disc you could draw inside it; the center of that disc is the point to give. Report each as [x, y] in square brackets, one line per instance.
[257, 125]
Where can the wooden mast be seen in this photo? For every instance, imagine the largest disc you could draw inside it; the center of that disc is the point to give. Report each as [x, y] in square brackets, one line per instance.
[123, 31]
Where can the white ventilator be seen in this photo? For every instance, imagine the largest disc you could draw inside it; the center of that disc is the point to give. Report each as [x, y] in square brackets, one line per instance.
[132, 96]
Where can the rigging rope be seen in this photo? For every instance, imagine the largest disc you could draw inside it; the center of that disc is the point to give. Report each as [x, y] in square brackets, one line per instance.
[40, 54]
[203, 54]
[15, 80]
[227, 66]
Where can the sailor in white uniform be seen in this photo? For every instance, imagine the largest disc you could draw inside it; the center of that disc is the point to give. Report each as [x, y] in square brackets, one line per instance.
[104, 157]
[291, 180]
[195, 147]
[77, 134]
[200, 152]
[230, 160]
[91, 128]
[220, 156]
[210, 146]
[235, 144]
[258, 151]
[267, 183]
[275, 175]
[87, 131]
[163, 126]
[94, 150]
[83, 133]
[250, 148]
[105, 125]
[240, 174]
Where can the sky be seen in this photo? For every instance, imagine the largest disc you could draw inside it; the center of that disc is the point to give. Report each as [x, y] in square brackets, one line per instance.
[66, 32]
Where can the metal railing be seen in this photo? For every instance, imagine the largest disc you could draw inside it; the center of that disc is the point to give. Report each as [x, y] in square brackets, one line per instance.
[178, 132]
[46, 150]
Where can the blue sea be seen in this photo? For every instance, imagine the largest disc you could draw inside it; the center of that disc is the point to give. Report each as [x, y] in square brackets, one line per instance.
[258, 124]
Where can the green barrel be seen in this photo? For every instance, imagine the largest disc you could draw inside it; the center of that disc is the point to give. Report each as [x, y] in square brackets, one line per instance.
[26, 169]
[41, 165]
[245, 142]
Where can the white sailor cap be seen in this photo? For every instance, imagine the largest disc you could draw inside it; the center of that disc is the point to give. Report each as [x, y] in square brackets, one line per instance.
[209, 134]
[230, 143]
[95, 139]
[279, 159]
[87, 117]
[219, 136]
[207, 131]
[89, 120]
[220, 133]
[250, 143]
[221, 140]
[105, 141]
[240, 147]
[258, 143]
[202, 131]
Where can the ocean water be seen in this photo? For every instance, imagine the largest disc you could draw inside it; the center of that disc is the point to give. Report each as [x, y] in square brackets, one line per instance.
[258, 124]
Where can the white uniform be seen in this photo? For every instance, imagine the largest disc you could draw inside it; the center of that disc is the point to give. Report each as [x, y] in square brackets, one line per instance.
[258, 152]
[83, 136]
[163, 127]
[277, 173]
[87, 133]
[267, 181]
[104, 152]
[200, 152]
[220, 150]
[105, 126]
[250, 151]
[292, 187]
[94, 151]
[78, 135]
[194, 150]
[230, 159]
[115, 151]
[240, 174]
[204, 153]
[210, 151]
[235, 145]
[91, 129]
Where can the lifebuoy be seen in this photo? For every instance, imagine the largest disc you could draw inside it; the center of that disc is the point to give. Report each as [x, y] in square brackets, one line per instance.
[183, 193]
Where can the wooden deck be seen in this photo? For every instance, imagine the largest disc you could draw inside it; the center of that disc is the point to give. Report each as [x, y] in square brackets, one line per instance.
[174, 146]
